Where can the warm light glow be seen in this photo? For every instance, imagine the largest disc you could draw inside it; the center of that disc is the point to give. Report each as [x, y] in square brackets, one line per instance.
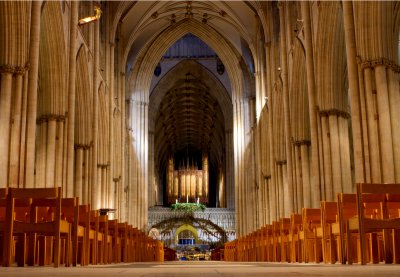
[91, 18]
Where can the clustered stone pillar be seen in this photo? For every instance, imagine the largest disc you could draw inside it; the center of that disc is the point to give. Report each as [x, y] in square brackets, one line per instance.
[32, 94]
[314, 165]
[71, 99]
[288, 185]
[95, 184]
[374, 90]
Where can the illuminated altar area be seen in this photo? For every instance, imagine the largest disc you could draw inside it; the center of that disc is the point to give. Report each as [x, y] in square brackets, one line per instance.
[188, 182]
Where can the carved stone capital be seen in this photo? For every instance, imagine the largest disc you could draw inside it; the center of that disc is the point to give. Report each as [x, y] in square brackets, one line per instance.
[50, 117]
[7, 69]
[302, 142]
[281, 162]
[19, 70]
[336, 112]
[380, 61]
[102, 166]
[82, 146]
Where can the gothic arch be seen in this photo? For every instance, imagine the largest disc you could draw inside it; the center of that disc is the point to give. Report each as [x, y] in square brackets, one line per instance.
[148, 59]
[187, 227]
[332, 100]
[52, 98]
[104, 126]
[83, 140]
[84, 100]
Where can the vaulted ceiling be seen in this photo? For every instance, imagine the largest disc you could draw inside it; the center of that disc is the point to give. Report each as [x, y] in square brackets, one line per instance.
[142, 21]
[190, 108]
[188, 111]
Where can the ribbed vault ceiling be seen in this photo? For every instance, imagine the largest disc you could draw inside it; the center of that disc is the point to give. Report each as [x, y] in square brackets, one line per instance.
[189, 117]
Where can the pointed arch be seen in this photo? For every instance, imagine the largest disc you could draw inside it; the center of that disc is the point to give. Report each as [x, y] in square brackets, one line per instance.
[52, 87]
[84, 100]
[103, 126]
[149, 57]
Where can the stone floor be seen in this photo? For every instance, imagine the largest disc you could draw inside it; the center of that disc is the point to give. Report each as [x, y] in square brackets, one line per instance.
[209, 269]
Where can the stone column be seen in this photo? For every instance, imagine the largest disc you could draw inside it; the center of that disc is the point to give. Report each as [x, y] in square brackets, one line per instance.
[336, 158]
[71, 98]
[15, 139]
[394, 102]
[385, 130]
[350, 41]
[372, 122]
[22, 139]
[315, 171]
[229, 171]
[51, 151]
[326, 150]
[60, 152]
[299, 179]
[347, 182]
[305, 170]
[123, 147]
[145, 161]
[284, 74]
[86, 172]
[236, 167]
[78, 172]
[32, 94]
[6, 75]
[94, 183]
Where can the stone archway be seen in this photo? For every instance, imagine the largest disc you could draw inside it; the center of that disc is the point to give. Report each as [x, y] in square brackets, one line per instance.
[186, 227]
[138, 91]
[201, 76]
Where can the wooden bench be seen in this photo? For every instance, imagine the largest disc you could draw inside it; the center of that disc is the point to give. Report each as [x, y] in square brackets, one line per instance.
[372, 193]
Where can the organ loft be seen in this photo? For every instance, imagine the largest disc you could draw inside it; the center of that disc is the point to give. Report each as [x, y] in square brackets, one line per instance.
[187, 181]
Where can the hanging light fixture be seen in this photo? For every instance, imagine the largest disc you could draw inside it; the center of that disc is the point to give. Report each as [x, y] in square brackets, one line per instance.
[89, 19]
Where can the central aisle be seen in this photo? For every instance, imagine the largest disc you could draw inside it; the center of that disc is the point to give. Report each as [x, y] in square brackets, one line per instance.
[206, 269]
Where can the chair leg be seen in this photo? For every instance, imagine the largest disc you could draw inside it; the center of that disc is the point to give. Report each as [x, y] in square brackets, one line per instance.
[349, 248]
[396, 246]
[57, 249]
[21, 250]
[363, 248]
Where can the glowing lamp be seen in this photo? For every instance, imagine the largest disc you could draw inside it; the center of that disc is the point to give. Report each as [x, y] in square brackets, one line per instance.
[91, 18]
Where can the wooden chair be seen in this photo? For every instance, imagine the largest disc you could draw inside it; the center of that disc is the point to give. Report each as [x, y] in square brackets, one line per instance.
[97, 236]
[84, 222]
[347, 208]
[284, 239]
[371, 193]
[329, 216]
[268, 242]
[393, 211]
[356, 240]
[55, 227]
[311, 245]
[276, 241]
[3, 194]
[125, 241]
[107, 239]
[295, 227]
[72, 212]
[115, 251]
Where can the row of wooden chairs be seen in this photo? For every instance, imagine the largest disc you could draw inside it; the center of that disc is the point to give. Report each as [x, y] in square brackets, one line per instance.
[39, 227]
[362, 227]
